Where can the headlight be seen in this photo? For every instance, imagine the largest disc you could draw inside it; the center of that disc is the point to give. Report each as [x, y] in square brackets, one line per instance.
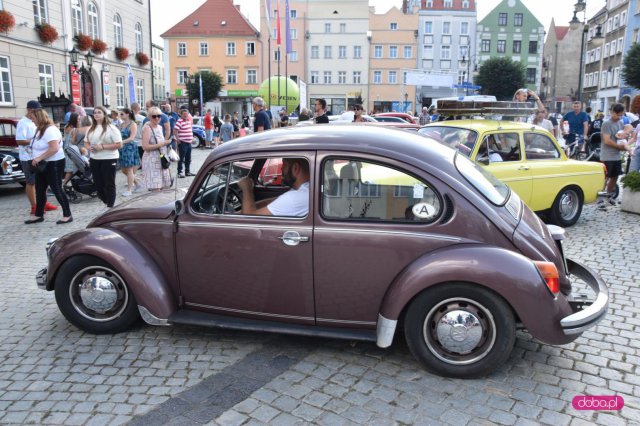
[50, 243]
[7, 164]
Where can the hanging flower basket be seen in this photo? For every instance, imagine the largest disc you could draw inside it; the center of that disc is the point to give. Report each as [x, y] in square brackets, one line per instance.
[7, 21]
[99, 46]
[122, 53]
[47, 33]
[142, 58]
[83, 42]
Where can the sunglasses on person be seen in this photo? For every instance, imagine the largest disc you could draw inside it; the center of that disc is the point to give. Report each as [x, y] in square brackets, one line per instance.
[357, 109]
[156, 116]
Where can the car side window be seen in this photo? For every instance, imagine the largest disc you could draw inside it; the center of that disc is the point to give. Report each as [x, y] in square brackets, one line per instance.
[503, 147]
[360, 190]
[539, 147]
[210, 196]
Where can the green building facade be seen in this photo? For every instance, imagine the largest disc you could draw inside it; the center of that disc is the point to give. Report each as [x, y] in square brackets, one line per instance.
[511, 30]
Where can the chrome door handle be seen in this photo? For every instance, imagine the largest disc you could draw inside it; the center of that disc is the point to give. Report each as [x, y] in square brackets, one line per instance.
[293, 238]
[523, 168]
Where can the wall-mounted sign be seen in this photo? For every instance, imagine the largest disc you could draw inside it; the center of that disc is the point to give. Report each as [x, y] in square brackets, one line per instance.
[106, 91]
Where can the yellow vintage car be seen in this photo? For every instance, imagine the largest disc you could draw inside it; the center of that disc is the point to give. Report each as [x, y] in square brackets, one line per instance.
[529, 160]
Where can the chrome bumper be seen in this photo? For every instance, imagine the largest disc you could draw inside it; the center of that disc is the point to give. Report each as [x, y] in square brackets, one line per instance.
[41, 279]
[586, 314]
[13, 177]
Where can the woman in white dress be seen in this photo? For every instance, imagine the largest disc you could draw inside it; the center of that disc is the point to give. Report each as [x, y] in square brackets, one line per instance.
[154, 177]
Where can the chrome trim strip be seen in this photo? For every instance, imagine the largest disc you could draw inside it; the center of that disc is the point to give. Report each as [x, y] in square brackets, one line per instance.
[385, 330]
[245, 225]
[151, 319]
[141, 222]
[240, 311]
[346, 321]
[582, 320]
[404, 233]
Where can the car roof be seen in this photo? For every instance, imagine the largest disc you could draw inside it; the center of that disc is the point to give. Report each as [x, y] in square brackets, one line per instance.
[485, 125]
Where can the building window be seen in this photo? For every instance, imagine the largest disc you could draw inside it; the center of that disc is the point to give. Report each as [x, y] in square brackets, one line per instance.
[293, 14]
[517, 46]
[357, 52]
[393, 77]
[343, 28]
[342, 52]
[182, 76]
[252, 76]
[357, 77]
[393, 26]
[502, 45]
[448, 3]
[377, 52]
[232, 76]
[327, 77]
[138, 32]
[377, 77]
[6, 91]
[45, 72]
[502, 19]
[40, 12]
[531, 76]
[327, 52]
[613, 48]
[446, 27]
[119, 91]
[428, 27]
[445, 52]
[315, 52]
[485, 46]
[93, 20]
[465, 4]
[517, 19]
[342, 77]
[464, 28]
[620, 44]
[445, 65]
[427, 52]
[293, 56]
[117, 31]
[250, 48]
[463, 52]
[393, 51]
[408, 52]
[204, 48]
[605, 50]
[315, 77]
[140, 92]
[327, 28]
[231, 48]
[429, 4]
[77, 24]
[182, 49]
[294, 33]
[533, 47]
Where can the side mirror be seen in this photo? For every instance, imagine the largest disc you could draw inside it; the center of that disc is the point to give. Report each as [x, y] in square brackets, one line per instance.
[483, 160]
[179, 207]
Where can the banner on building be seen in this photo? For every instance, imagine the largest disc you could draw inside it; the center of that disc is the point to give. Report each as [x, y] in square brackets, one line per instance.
[132, 88]
[74, 79]
[106, 91]
[422, 78]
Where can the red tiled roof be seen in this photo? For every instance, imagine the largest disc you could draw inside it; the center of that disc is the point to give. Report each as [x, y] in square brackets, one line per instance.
[214, 18]
[561, 32]
[457, 5]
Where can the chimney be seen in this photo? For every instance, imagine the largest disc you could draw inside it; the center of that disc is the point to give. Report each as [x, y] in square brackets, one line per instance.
[237, 7]
[405, 7]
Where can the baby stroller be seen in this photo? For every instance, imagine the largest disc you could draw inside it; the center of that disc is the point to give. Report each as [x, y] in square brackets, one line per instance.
[82, 181]
[593, 147]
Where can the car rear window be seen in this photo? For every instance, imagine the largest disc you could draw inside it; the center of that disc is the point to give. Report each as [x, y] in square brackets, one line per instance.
[487, 184]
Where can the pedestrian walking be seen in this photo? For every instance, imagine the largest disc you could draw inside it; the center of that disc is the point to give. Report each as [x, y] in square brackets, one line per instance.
[226, 130]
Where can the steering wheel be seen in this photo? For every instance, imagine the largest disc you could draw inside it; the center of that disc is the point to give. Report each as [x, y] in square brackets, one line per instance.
[233, 200]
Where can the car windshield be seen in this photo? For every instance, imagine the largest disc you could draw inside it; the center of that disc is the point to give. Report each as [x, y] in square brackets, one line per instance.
[461, 139]
[487, 184]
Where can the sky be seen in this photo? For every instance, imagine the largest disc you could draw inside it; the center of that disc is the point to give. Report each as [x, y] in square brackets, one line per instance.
[166, 13]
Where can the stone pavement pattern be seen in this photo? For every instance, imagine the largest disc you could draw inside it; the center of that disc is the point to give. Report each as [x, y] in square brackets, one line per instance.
[52, 373]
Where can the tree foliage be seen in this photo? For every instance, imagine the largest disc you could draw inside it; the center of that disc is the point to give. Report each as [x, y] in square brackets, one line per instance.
[631, 66]
[211, 85]
[500, 77]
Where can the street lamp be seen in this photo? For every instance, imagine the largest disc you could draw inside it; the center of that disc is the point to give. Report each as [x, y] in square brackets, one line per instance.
[467, 61]
[74, 56]
[597, 40]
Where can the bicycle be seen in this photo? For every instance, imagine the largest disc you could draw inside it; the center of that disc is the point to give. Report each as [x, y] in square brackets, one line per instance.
[576, 150]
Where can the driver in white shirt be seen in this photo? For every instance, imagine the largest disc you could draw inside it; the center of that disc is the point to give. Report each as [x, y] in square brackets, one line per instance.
[295, 202]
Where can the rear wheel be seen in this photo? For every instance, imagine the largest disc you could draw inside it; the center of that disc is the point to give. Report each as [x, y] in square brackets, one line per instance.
[567, 207]
[197, 142]
[460, 330]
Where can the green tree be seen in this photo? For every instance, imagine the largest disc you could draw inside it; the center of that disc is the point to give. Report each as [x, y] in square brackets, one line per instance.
[211, 85]
[631, 66]
[500, 77]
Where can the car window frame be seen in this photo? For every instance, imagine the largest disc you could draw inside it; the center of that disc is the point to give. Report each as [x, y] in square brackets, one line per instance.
[551, 141]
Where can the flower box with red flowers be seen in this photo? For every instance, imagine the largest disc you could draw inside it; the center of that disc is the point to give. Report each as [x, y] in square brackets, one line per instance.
[142, 58]
[99, 46]
[47, 33]
[83, 42]
[7, 21]
[122, 53]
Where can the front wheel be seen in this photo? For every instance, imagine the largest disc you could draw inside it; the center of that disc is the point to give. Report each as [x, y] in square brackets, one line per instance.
[567, 207]
[93, 296]
[460, 330]
[197, 142]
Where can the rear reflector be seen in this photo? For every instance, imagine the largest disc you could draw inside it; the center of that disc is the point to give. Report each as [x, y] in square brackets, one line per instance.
[549, 272]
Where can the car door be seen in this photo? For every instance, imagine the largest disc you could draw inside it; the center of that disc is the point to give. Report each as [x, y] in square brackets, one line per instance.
[548, 169]
[506, 161]
[243, 265]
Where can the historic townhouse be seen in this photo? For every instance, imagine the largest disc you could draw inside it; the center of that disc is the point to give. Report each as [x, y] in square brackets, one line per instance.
[561, 67]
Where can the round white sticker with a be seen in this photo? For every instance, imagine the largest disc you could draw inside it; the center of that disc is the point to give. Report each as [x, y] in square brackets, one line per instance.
[424, 210]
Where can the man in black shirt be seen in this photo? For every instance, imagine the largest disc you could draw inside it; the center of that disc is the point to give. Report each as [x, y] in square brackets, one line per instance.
[320, 108]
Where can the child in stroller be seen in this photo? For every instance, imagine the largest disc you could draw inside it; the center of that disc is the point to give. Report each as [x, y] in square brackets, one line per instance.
[81, 181]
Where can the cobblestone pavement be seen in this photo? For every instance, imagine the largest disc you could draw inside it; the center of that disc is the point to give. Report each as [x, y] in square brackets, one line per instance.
[52, 373]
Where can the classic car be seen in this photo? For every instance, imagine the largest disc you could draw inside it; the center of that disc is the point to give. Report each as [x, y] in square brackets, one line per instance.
[11, 170]
[402, 115]
[529, 160]
[400, 236]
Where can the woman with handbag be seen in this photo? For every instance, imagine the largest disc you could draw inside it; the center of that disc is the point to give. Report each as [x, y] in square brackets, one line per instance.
[48, 166]
[104, 141]
[155, 170]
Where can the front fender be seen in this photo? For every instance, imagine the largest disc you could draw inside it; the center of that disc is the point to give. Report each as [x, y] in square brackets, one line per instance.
[137, 268]
[509, 274]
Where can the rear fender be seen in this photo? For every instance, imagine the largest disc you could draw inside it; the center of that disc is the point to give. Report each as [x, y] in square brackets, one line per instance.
[137, 268]
[509, 274]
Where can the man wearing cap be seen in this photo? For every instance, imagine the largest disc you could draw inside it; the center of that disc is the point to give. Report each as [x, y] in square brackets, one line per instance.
[25, 132]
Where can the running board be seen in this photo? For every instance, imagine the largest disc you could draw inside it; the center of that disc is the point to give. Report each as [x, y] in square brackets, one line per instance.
[203, 319]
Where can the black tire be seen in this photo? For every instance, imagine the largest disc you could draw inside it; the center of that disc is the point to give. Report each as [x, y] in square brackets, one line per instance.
[119, 311]
[473, 351]
[197, 142]
[567, 207]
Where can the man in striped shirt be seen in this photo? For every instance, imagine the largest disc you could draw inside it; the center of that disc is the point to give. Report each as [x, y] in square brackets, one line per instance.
[183, 133]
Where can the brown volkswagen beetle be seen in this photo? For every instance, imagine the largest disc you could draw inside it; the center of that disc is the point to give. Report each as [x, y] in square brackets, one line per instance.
[391, 235]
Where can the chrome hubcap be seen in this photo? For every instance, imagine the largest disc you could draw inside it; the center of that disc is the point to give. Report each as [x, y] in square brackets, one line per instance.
[459, 331]
[98, 293]
[568, 204]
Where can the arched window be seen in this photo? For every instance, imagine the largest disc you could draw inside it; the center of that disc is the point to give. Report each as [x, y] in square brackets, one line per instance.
[77, 21]
[117, 31]
[92, 20]
[139, 37]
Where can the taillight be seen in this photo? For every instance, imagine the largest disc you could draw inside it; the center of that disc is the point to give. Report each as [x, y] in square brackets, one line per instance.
[550, 275]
